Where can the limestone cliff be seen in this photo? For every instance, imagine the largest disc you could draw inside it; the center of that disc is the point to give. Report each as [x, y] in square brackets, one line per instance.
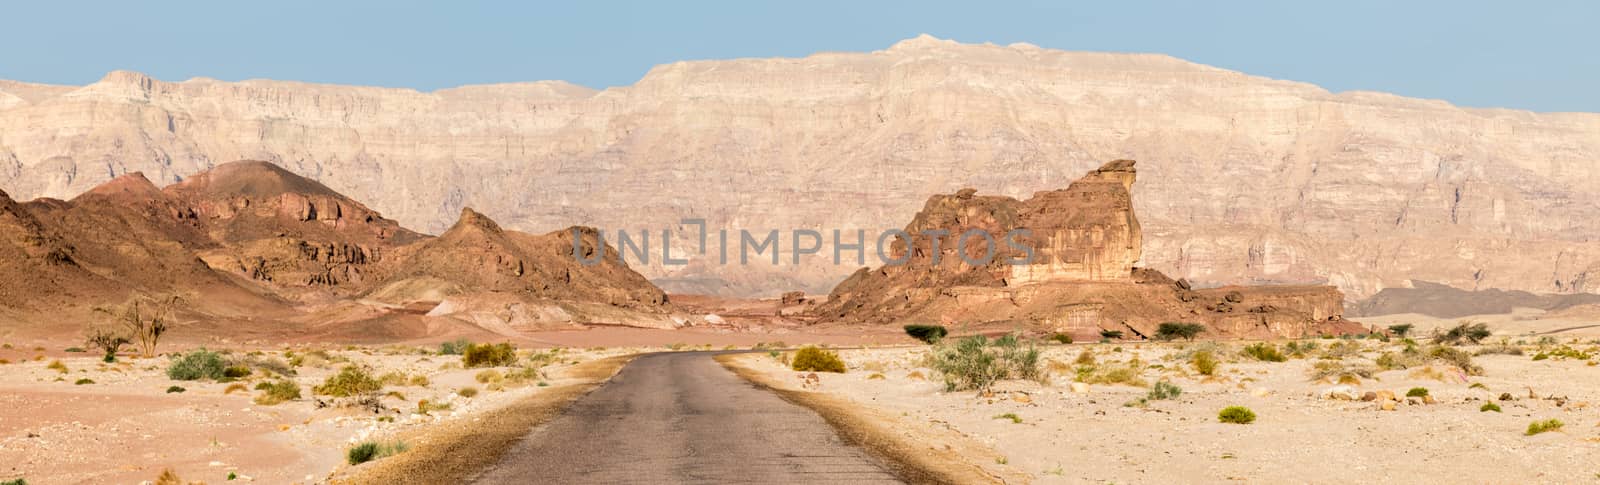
[1244, 179]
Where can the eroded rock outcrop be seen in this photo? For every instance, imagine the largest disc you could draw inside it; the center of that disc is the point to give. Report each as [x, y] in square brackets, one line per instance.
[1081, 278]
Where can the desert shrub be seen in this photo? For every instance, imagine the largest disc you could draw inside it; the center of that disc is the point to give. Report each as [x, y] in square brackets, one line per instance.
[1111, 334]
[973, 363]
[1127, 374]
[1489, 406]
[454, 347]
[276, 392]
[1401, 330]
[392, 378]
[489, 355]
[544, 358]
[1175, 330]
[1456, 357]
[1417, 392]
[467, 392]
[108, 341]
[1299, 350]
[369, 450]
[928, 334]
[1086, 357]
[18, 481]
[1061, 338]
[270, 364]
[488, 376]
[1011, 416]
[83, 381]
[813, 359]
[234, 387]
[235, 372]
[350, 381]
[1236, 415]
[418, 380]
[1500, 349]
[175, 389]
[1204, 362]
[197, 365]
[1341, 350]
[1264, 352]
[1164, 390]
[1464, 332]
[1537, 427]
[1564, 352]
[57, 366]
[426, 406]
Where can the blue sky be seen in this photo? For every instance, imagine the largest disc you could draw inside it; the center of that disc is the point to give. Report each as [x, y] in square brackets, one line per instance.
[1529, 55]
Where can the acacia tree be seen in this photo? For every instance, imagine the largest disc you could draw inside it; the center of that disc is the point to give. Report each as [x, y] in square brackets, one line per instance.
[145, 319]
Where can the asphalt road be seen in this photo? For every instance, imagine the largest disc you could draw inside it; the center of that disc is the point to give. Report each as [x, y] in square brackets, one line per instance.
[683, 418]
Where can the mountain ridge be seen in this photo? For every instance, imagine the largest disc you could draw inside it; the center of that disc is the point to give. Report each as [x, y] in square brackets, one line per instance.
[1246, 179]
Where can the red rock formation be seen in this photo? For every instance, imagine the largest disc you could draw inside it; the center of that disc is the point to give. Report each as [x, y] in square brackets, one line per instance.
[1081, 278]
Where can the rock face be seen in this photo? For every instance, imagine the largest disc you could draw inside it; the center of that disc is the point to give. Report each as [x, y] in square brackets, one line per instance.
[1246, 179]
[252, 242]
[1080, 279]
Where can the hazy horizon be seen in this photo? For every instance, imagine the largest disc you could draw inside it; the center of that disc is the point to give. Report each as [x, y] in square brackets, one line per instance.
[1470, 54]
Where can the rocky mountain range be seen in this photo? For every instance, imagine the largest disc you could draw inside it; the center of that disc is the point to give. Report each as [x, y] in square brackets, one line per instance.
[1244, 179]
[251, 247]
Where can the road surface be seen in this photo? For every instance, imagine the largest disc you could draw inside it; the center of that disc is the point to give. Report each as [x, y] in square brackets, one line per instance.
[683, 418]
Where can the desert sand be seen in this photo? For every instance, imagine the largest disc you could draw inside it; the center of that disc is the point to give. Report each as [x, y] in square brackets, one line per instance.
[125, 427]
[1101, 433]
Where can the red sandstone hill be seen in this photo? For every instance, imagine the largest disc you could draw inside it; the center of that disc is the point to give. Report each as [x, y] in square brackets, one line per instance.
[1082, 279]
[251, 246]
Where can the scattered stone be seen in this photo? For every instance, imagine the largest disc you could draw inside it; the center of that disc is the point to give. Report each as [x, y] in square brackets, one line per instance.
[1340, 393]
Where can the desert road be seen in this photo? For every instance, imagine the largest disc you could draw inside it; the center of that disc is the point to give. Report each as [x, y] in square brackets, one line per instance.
[683, 418]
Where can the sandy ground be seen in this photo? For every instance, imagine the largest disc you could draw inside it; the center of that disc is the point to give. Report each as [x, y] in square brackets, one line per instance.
[1300, 436]
[126, 428]
[1521, 323]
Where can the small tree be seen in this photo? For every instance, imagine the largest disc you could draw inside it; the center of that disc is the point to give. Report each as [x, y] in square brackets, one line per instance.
[107, 340]
[145, 319]
[1184, 330]
[928, 334]
[1464, 332]
[1401, 330]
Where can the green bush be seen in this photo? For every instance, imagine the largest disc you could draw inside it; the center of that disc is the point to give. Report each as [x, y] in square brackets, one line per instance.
[83, 381]
[1489, 406]
[1175, 330]
[928, 334]
[1417, 392]
[1264, 352]
[175, 389]
[1204, 362]
[18, 481]
[1111, 334]
[1464, 332]
[1537, 427]
[973, 363]
[1164, 390]
[350, 381]
[489, 355]
[1011, 416]
[455, 347]
[196, 365]
[369, 450]
[277, 392]
[812, 359]
[1236, 415]
[1061, 338]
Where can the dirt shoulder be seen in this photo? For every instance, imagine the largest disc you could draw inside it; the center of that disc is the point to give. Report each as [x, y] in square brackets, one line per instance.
[915, 453]
[456, 452]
